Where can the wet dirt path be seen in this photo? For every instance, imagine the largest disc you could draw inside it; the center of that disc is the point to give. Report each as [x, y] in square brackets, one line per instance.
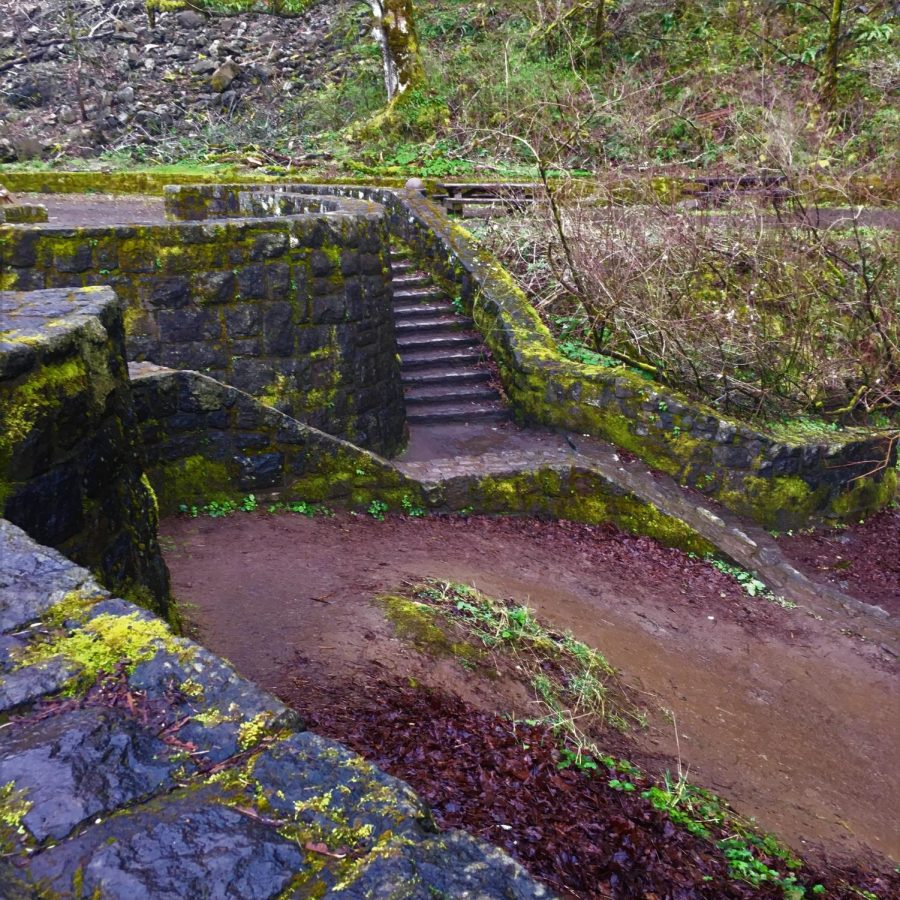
[791, 720]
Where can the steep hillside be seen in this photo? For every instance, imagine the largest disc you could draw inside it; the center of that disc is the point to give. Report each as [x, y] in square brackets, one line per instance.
[709, 84]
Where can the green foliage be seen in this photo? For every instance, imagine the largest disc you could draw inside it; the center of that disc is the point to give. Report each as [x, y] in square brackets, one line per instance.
[411, 508]
[102, 644]
[377, 509]
[750, 583]
[573, 682]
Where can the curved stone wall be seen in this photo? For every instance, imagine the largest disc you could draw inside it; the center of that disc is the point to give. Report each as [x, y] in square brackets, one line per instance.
[70, 468]
[289, 302]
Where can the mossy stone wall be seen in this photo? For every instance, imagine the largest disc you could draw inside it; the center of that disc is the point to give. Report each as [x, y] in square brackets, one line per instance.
[294, 309]
[205, 441]
[781, 485]
[70, 470]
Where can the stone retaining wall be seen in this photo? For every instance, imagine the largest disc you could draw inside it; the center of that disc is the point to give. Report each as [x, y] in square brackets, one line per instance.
[782, 485]
[292, 307]
[174, 777]
[70, 470]
[205, 441]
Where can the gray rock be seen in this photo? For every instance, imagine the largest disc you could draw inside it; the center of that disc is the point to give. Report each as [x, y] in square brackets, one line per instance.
[190, 20]
[187, 845]
[453, 864]
[125, 95]
[221, 79]
[295, 773]
[29, 684]
[80, 764]
[33, 578]
[29, 94]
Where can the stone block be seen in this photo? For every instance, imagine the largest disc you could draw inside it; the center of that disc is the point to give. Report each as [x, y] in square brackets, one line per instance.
[252, 282]
[243, 320]
[188, 324]
[78, 259]
[167, 293]
[215, 287]
[278, 331]
[260, 471]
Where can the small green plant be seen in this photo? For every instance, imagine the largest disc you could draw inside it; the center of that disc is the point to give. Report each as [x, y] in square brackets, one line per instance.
[457, 305]
[377, 509]
[217, 509]
[750, 583]
[581, 761]
[248, 504]
[299, 507]
[618, 785]
[411, 508]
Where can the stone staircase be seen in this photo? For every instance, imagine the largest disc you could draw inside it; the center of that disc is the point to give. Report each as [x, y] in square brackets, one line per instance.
[442, 357]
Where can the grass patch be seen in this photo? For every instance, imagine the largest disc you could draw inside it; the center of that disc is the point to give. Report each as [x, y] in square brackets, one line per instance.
[574, 685]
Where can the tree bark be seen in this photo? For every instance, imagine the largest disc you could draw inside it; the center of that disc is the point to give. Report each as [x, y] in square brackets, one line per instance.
[832, 54]
[395, 30]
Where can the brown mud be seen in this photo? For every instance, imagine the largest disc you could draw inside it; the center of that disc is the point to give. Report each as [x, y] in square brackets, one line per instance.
[794, 720]
[863, 560]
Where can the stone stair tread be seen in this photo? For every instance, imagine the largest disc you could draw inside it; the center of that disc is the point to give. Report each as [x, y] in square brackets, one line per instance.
[485, 409]
[411, 310]
[425, 293]
[434, 322]
[437, 339]
[413, 280]
[446, 356]
[447, 393]
[445, 375]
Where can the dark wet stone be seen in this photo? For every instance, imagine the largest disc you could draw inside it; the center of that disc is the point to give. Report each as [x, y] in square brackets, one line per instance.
[33, 578]
[297, 772]
[225, 695]
[30, 684]
[264, 470]
[187, 845]
[8, 647]
[80, 764]
[453, 864]
[48, 506]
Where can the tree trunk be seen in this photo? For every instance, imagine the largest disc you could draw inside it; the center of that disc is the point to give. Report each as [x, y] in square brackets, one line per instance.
[600, 23]
[395, 30]
[832, 54]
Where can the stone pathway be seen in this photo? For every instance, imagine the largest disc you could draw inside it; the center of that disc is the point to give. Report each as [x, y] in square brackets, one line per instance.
[176, 778]
[442, 357]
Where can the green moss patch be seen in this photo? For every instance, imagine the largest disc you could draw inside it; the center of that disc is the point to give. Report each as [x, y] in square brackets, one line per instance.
[104, 643]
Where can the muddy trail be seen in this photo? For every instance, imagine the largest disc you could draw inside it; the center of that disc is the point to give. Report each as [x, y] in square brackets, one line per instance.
[792, 718]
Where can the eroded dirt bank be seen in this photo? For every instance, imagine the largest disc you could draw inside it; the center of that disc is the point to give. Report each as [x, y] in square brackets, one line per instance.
[794, 720]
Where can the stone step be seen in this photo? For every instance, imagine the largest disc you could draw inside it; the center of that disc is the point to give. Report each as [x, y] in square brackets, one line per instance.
[415, 310]
[440, 323]
[411, 280]
[422, 294]
[455, 394]
[402, 267]
[441, 375]
[433, 339]
[465, 412]
[445, 357]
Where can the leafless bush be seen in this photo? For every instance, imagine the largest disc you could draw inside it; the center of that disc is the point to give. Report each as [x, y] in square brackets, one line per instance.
[754, 312]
